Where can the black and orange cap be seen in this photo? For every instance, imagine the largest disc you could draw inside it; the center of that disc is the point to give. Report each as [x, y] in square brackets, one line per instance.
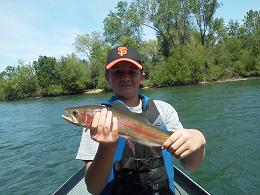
[123, 53]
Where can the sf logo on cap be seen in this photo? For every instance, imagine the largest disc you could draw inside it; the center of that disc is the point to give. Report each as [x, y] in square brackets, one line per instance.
[122, 51]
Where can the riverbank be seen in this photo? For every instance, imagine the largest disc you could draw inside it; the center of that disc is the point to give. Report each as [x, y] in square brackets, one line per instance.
[94, 91]
[228, 80]
[208, 82]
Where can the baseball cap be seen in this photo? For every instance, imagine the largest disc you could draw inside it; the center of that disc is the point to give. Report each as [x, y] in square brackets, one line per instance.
[123, 53]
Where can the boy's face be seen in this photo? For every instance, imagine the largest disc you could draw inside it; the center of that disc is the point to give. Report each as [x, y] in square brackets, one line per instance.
[125, 79]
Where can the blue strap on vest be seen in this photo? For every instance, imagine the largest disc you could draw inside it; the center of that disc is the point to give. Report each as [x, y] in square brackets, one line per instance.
[119, 149]
[167, 158]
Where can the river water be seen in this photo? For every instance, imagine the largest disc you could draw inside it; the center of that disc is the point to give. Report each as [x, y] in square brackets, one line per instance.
[37, 148]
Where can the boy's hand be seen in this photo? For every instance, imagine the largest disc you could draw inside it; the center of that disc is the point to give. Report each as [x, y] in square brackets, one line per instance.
[104, 128]
[184, 142]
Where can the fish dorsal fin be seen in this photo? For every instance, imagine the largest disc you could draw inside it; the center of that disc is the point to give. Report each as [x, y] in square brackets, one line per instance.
[118, 105]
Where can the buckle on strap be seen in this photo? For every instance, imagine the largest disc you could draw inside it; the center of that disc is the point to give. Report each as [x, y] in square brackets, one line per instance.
[139, 164]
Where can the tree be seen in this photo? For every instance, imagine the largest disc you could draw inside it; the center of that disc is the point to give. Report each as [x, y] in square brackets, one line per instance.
[251, 42]
[74, 74]
[233, 28]
[217, 33]
[203, 11]
[170, 20]
[2, 86]
[45, 70]
[47, 75]
[252, 21]
[22, 83]
[8, 72]
[150, 55]
[94, 47]
[124, 26]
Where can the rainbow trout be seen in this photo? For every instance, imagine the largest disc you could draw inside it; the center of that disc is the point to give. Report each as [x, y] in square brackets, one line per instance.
[130, 125]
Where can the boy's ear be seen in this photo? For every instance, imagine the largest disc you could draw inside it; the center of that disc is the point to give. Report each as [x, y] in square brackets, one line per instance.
[107, 75]
[142, 75]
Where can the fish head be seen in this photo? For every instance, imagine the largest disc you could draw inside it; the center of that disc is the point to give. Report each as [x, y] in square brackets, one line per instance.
[81, 116]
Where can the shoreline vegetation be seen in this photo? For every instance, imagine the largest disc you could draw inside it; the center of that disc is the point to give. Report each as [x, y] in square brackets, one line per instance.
[191, 46]
[94, 91]
[97, 90]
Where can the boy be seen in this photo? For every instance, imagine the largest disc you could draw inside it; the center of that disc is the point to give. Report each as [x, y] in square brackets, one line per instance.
[119, 166]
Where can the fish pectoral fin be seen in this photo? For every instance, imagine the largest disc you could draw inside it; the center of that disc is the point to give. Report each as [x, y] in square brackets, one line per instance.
[130, 142]
[131, 145]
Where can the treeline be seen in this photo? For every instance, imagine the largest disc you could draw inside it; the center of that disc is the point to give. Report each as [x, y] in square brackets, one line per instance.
[191, 45]
[46, 77]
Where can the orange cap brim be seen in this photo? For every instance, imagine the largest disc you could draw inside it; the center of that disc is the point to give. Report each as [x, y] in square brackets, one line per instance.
[111, 64]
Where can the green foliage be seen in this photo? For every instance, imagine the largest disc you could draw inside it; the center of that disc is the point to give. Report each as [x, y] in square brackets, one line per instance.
[46, 72]
[150, 55]
[203, 12]
[47, 77]
[212, 66]
[93, 46]
[2, 86]
[171, 21]
[124, 26]
[102, 83]
[217, 32]
[252, 21]
[190, 46]
[20, 83]
[184, 66]
[73, 73]
[233, 28]
[53, 90]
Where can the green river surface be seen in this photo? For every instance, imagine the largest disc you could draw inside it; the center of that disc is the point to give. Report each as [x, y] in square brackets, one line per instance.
[38, 149]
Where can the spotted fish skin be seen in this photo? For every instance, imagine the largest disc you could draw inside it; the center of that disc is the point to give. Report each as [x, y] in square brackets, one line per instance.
[130, 125]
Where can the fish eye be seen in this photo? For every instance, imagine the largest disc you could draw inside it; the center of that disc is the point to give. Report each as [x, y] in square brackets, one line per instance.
[75, 112]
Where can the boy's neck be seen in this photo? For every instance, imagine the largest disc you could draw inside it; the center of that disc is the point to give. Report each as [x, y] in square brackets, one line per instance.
[131, 102]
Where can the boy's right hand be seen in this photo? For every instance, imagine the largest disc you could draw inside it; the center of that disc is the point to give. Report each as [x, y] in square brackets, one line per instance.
[104, 128]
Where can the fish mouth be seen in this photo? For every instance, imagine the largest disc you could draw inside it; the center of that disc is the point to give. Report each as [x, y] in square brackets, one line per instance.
[70, 118]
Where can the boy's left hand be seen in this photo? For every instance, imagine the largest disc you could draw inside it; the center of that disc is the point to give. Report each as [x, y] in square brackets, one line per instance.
[184, 142]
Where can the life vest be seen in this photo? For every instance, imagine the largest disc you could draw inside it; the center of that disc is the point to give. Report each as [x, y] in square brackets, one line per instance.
[141, 171]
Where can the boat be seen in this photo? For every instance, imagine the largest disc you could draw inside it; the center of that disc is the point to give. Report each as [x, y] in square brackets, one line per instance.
[184, 185]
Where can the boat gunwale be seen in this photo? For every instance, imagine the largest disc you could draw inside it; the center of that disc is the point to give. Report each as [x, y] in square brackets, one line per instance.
[179, 178]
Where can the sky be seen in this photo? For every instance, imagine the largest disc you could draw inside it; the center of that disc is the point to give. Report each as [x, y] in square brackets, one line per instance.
[30, 28]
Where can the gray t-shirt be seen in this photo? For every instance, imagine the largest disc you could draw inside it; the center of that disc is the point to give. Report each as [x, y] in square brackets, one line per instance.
[88, 147]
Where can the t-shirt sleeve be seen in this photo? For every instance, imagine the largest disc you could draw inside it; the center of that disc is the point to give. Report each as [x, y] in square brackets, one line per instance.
[87, 148]
[169, 115]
